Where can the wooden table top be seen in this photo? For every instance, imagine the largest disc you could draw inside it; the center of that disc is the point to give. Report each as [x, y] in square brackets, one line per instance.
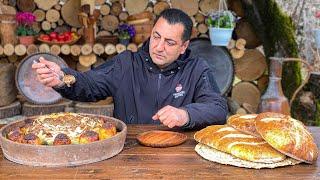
[137, 161]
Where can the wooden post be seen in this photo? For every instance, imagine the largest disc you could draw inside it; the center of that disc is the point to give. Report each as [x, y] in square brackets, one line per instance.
[88, 17]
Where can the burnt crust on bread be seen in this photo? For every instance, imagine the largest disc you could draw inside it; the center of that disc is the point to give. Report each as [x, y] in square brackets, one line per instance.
[244, 146]
[287, 135]
[244, 123]
[214, 155]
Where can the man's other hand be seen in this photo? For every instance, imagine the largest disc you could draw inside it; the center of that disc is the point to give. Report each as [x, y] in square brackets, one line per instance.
[48, 73]
[171, 116]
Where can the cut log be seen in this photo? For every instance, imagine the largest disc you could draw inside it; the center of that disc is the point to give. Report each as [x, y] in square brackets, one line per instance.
[53, 25]
[29, 109]
[246, 92]
[8, 10]
[241, 111]
[39, 14]
[136, 6]
[90, 108]
[188, 6]
[263, 83]
[99, 2]
[104, 9]
[249, 108]
[120, 48]
[236, 6]
[13, 58]
[144, 27]
[60, 22]
[103, 33]
[70, 11]
[202, 28]
[240, 44]
[20, 50]
[44, 48]
[244, 30]
[36, 26]
[110, 49]
[98, 49]
[132, 47]
[65, 49]
[86, 49]
[26, 5]
[123, 16]
[57, 7]
[116, 8]
[31, 49]
[10, 110]
[55, 49]
[7, 87]
[199, 18]
[82, 68]
[4, 60]
[140, 38]
[160, 6]
[194, 33]
[110, 23]
[52, 15]
[1, 50]
[75, 50]
[251, 66]
[231, 45]
[46, 4]
[8, 49]
[46, 25]
[7, 29]
[207, 6]
[87, 60]
[236, 53]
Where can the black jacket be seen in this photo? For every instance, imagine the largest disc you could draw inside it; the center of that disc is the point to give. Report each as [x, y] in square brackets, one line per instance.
[139, 88]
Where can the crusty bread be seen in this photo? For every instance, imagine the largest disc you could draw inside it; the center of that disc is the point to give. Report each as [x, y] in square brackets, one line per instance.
[287, 135]
[244, 123]
[244, 146]
[214, 155]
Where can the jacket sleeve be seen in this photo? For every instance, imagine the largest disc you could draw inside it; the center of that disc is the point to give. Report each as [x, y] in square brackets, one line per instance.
[209, 106]
[96, 84]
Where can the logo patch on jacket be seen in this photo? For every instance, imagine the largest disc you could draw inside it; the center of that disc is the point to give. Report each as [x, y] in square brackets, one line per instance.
[179, 91]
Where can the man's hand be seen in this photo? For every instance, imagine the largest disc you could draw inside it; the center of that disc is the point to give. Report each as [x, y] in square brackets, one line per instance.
[171, 116]
[48, 73]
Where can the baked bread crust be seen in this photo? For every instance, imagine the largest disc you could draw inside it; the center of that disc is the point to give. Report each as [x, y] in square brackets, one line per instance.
[214, 155]
[244, 123]
[287, 135]
[244, 146]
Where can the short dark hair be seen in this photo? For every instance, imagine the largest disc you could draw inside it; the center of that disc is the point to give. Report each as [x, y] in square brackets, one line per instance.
[174, 16]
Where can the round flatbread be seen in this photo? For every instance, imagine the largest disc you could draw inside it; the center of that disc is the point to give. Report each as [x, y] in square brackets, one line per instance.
[214, 155]
[287, 135]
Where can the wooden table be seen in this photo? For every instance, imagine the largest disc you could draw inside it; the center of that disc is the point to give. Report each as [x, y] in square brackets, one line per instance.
[180, 162]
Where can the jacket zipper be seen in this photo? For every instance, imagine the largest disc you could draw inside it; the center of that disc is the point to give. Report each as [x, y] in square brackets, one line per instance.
[158, 90]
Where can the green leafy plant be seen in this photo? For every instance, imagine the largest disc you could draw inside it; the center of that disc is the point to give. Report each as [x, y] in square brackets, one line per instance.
[223, 19]
[24, 22]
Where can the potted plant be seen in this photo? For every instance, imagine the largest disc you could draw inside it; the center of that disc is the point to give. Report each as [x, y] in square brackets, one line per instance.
[126, 32]
[24, 30]
[221, 25]
[317, 29]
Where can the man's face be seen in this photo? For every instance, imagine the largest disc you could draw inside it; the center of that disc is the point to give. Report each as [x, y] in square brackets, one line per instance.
[166, 43]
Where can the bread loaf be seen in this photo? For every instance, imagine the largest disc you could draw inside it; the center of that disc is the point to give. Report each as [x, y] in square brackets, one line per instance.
[287, 135]
[214, 155]
[244, 146]
[244, 123]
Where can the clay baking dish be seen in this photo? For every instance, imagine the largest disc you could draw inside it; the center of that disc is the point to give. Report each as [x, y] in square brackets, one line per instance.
[64, 155]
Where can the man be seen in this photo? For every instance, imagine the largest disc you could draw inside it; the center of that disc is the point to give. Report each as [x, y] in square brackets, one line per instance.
[160, 83]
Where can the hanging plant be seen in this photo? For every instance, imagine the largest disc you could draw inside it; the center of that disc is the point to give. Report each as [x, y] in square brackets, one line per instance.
[221, 25]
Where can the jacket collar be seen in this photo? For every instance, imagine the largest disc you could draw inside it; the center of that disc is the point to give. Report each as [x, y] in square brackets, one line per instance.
[172, 68]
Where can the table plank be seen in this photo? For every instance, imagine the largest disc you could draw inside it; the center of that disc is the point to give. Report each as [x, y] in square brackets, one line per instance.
[137, 161]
